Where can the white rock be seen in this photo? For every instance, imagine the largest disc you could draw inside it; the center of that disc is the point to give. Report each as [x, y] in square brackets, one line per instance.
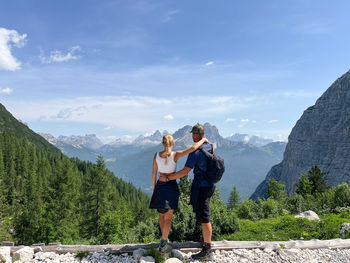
[148, 259]
[5, 254]
[344, 229]
[24, 254]
[178, 254]
[311, 215]
[138, 253]
[268, 249]
[173, 260]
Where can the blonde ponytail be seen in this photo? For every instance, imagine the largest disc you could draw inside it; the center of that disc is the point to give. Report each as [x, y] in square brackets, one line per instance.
[167, 142]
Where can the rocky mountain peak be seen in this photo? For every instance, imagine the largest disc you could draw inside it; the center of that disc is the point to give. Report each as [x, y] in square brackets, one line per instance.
[89, 141]
[320, 137]
[49, 137]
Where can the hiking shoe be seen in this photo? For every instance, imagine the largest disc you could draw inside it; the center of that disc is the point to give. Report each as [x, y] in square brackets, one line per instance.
[165, 249]
[205, 254]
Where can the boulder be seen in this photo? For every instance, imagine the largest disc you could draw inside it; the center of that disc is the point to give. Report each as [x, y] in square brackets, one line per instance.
[173, 260]
[5, 254]
[311, 215]
[148, 259]
[138, 253]
[344, 229]
[178, 254]
[24, 254]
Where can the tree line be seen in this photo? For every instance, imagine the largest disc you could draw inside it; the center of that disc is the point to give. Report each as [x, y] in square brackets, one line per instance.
[48, 197]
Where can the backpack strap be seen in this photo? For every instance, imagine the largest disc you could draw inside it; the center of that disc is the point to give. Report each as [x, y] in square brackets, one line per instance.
[206, 153]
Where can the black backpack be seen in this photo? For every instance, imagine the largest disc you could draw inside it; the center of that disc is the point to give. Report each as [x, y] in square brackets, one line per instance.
[215, 166]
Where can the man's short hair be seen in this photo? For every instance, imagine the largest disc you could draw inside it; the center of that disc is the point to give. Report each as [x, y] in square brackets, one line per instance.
[198, 129]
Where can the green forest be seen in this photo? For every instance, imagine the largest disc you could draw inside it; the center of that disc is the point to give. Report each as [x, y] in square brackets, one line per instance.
[47, 197]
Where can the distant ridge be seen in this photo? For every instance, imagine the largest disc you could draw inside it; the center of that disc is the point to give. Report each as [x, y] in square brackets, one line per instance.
[320, 137]
[9, 124]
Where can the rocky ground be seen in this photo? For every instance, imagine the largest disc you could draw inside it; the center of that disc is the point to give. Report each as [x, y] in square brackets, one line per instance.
[256, 255]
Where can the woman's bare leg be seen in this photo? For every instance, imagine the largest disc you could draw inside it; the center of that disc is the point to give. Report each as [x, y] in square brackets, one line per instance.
[161, 221]
[168, 216]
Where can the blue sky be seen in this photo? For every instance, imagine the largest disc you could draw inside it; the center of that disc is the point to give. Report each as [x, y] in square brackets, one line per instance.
[123, 68]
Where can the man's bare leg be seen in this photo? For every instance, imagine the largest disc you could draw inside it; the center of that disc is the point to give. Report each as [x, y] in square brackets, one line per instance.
[207, 231]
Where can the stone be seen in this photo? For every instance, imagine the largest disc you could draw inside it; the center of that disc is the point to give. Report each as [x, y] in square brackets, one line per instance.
[178, 254]
[37, 249]
[8, 243]
[344, 229]
[320, 137]
[138, 253]
[24, 254]
[5, 254]
[173, 260]
[311, 215]
[148, 259]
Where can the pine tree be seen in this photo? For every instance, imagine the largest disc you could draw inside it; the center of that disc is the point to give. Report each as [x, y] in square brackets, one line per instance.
[312, 182]
[234, 198]
[276, 190]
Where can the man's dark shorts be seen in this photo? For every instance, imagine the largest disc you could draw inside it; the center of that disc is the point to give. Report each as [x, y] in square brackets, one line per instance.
[203, 211]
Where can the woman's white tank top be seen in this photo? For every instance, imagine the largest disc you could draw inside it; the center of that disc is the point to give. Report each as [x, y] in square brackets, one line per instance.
[166, 168]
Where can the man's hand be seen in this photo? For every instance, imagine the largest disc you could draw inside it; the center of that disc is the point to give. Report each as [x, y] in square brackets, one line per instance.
[162, 177]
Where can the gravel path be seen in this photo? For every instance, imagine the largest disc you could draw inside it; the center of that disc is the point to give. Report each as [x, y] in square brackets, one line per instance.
[234, 255]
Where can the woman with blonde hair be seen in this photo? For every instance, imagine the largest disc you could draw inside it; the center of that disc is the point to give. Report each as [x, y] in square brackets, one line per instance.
[166, 194]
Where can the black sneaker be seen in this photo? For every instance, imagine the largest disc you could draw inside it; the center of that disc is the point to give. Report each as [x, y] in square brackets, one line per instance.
[205, 254]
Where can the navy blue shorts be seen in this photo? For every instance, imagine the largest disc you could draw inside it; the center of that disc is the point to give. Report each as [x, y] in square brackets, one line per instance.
[203, 210]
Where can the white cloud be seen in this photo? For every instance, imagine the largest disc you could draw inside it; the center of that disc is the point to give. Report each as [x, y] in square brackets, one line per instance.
[108, 128]
[230, 120]
[168, 117]
[244, 120]
[169, 16]
[5, 91]
[114, 111]
[209, 63]
[9, 38]
[59, 56]
[273, 121]
[240, 126]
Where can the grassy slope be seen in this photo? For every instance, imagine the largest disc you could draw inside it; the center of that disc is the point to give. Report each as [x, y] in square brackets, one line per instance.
[288, 227]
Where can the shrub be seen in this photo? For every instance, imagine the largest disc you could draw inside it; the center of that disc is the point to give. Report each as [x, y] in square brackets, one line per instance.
[270, 208]
[248, 209]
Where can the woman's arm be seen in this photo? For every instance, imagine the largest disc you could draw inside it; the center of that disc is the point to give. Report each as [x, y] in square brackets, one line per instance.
[179, 154]
[154, 172]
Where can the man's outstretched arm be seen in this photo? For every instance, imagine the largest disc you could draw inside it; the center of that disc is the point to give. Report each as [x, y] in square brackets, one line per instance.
[176, 175]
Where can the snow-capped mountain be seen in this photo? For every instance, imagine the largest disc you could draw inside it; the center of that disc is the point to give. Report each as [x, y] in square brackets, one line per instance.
[89, 141]
[254, 140]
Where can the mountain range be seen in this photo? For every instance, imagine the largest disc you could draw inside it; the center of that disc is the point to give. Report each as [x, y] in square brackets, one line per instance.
[245, 163]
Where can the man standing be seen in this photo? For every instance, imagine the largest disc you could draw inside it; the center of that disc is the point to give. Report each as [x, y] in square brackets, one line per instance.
[201, 189]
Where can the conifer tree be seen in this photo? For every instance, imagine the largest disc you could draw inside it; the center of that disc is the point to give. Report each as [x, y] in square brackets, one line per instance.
[234, 198]
[276, 190]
